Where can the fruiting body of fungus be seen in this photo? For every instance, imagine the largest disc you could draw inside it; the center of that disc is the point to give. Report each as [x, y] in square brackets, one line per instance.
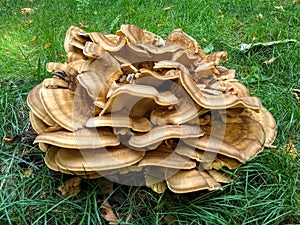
[136, 103]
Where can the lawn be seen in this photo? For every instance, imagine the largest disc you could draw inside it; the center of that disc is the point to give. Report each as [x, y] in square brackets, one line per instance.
[265, 190]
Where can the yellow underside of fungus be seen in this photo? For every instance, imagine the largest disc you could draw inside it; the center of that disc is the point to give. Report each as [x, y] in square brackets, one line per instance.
[132, 102]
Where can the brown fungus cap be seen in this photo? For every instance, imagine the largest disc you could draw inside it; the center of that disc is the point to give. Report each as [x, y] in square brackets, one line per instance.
[70, 109]
[97, 159]
[160, 133]
[35, 103]
[83, 139]
[185, 181]
[164, 156]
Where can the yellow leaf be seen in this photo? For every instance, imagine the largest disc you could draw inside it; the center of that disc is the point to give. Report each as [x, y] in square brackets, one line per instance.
[292, 149]
[27, 22]
[204, 40]
[5, 37]
[26, 10]
[82, 24]
[269, 61]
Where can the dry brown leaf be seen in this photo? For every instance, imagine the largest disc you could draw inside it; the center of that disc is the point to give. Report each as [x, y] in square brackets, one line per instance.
[48, 45]
[70, 187]
[109, 214]
[82, 24]
[296, 1]
[26, 10]
[7, 140]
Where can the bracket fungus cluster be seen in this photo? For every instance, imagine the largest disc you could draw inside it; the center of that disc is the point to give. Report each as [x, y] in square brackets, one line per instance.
[133, 102]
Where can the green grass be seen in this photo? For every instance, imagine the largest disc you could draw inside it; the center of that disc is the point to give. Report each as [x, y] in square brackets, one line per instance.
[265, 191]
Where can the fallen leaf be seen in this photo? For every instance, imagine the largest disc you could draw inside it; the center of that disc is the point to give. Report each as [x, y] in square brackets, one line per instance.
[167, 8]
[109, 214]
[259, 16]
[279, 8]
[237, 21]
[26, 10]
[296, 1]
[70, 187]
[220, 17]
[269, 61]
[204, 40]
[5, 37]
[296, 93]
[292, 149]
[27, 172]
[170, 219]
[7, 140]
[34, 39]
[82, 24]
[48, 45]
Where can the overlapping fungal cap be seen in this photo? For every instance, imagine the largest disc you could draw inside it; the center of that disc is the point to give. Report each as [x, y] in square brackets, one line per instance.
[133, 102]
